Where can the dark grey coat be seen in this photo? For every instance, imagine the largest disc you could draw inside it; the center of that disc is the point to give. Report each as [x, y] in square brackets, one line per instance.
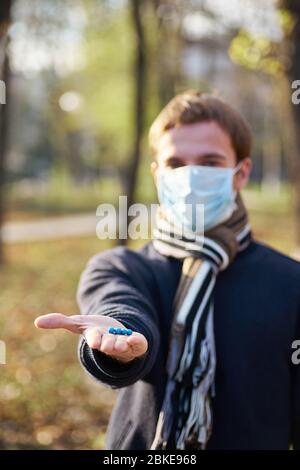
[257, 317]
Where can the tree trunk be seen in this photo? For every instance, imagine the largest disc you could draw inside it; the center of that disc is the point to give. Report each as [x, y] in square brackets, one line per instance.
[139, 105]
[5, 10]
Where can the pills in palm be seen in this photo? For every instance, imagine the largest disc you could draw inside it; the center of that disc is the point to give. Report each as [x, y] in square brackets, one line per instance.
[120, 331]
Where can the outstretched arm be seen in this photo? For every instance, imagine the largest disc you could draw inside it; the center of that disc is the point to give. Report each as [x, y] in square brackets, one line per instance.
[116, 289]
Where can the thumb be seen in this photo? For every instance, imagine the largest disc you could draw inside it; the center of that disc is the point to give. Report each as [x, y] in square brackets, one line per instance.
[57, 320]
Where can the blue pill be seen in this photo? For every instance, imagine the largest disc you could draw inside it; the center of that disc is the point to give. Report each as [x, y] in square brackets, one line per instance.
[120, 331]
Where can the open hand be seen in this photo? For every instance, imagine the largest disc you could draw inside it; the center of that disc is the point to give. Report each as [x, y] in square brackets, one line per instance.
[95, 330]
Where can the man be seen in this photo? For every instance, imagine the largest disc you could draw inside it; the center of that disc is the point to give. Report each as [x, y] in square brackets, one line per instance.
[208, 365]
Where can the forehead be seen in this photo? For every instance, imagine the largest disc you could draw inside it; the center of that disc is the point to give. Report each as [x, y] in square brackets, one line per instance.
[200, 137]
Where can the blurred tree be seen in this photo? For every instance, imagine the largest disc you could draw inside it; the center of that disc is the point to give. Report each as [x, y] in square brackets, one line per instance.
[105, 82]
[290, 14]
[45, 32]
[280, 61]
[139, 105]
[168, 44]
[5, 14]
[139, 74]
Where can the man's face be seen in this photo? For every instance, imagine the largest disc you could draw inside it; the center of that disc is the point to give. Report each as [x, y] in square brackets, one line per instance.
[201, 143]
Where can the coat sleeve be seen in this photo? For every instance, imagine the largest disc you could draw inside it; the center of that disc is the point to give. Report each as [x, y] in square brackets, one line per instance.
[119, 283]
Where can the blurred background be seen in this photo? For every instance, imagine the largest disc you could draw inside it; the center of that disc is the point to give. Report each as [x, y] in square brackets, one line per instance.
[83, 80]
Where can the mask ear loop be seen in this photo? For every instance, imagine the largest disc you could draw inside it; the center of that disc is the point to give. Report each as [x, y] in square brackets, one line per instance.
[237, 168]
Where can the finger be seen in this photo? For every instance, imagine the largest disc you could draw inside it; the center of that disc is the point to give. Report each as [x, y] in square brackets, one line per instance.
[107, 343]
[121, 345]
[57, 320]
[93, 337]
[137, 343]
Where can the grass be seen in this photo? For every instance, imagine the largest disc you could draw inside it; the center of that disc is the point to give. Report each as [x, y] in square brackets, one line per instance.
[272, 218]
[60, 196]
[47, 399]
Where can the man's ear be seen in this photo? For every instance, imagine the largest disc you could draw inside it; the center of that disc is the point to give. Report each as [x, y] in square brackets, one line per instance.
[241, 178]
[153, 168]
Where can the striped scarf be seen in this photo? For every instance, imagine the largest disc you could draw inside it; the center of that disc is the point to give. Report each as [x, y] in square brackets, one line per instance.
[185, 419]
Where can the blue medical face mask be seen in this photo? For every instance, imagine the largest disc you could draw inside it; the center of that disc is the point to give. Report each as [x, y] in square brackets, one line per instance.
[197, 198]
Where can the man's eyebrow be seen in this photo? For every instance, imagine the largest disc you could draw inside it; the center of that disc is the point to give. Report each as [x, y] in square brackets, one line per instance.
[198, 157]
[173, 157]
[219, 156]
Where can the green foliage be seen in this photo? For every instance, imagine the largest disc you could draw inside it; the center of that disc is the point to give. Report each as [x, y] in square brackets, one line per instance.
[255, 53]
[287, 20]
[106, 83]
[259, 53]
[63, 196]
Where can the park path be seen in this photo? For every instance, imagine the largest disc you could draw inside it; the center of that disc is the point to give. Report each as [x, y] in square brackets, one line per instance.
[50, 228]
[54, 228]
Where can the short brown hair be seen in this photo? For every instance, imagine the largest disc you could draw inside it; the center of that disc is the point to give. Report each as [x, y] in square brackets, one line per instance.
[193, 106]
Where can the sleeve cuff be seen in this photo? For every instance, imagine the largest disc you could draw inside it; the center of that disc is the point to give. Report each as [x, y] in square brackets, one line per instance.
[111, 372]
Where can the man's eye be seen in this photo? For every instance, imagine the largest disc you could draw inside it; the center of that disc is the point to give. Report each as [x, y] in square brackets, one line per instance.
[211, 164]
[174, 165]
